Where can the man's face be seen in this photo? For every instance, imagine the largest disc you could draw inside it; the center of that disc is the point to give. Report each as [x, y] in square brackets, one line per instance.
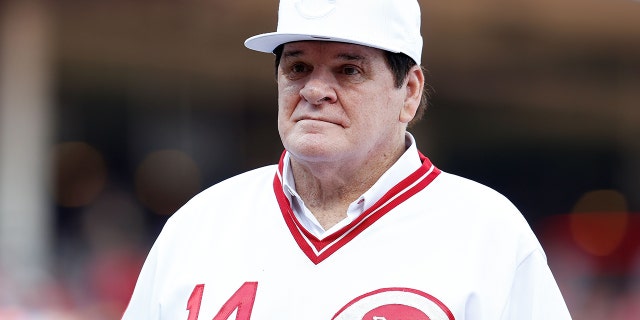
[338, 102]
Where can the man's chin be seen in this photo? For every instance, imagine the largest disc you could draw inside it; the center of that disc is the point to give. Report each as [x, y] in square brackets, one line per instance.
[315, 153]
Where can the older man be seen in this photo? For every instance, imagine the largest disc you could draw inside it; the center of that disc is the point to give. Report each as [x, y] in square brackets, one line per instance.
[354, 222]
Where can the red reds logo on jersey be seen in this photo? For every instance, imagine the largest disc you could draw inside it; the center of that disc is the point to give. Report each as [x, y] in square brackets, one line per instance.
[395, 304]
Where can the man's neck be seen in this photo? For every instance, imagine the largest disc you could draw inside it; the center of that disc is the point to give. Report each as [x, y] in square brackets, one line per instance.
[328, 189]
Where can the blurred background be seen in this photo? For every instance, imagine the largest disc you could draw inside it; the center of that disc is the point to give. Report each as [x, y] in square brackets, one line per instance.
[114, 113]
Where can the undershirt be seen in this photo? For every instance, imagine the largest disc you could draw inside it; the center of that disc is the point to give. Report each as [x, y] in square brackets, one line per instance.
[404, 166]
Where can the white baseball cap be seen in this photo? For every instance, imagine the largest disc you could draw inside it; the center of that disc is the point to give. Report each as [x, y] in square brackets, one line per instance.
[392, 25]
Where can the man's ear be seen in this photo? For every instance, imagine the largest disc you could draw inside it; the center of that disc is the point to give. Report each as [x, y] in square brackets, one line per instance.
[414, 86]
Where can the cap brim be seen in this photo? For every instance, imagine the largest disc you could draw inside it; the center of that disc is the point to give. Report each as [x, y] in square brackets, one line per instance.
[267, 42]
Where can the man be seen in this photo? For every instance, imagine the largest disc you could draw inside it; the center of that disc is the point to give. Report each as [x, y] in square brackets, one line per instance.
[354, 222]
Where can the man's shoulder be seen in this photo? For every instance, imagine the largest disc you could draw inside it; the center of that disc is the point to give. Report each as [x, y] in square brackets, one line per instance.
[255, 175]
[235, 187]
[473, 197]
[224, 196]
[242, 183]
[467, 186]
[480, 207]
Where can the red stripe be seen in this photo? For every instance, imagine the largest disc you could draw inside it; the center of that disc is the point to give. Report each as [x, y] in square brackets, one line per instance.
[433, 299]
[341, 237]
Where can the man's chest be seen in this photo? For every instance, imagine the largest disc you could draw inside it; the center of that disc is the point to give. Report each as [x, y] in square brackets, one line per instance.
[238, 277]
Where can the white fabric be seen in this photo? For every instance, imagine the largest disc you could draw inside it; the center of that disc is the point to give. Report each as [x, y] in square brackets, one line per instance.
[455, 245]
[392, 25]
[406, 164]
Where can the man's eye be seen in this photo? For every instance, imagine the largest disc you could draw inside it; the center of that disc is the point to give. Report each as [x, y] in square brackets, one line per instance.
[295, 71]
[298, 68]
[350, 71]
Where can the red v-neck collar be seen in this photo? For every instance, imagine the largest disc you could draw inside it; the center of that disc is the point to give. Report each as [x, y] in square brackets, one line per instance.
[317, 250]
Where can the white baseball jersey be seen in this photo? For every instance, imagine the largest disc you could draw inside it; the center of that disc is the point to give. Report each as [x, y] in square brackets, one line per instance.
[436, 246]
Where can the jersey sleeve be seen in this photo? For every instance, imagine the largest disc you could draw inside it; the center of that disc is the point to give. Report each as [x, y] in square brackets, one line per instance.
[534, 293]
[141, 305]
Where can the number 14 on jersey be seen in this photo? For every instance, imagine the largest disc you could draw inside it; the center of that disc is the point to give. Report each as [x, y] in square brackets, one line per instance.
[242, 300]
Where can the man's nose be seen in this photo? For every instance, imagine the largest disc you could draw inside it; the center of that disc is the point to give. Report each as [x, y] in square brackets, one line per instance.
[319, 88]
